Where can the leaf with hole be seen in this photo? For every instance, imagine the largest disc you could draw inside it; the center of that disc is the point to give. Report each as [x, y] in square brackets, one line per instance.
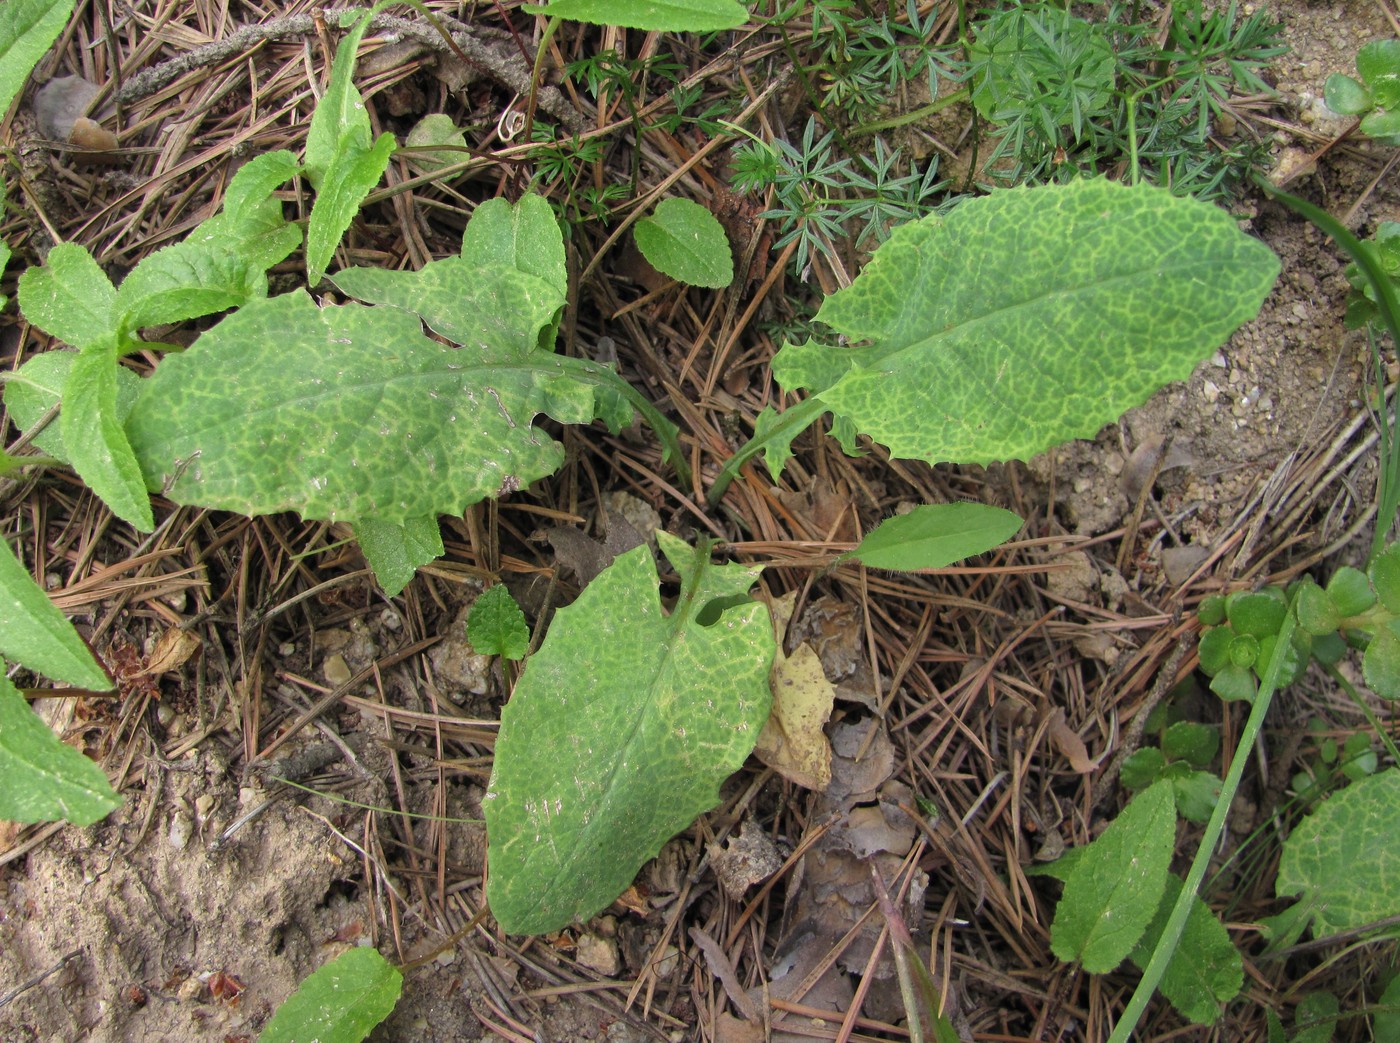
[1025, 318]
[685, 241]
[340, 1003]
[1341, 858]
[934, 535]
[620, 731]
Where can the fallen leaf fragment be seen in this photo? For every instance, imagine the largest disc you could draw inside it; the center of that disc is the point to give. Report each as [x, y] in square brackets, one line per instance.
[173, 649]
[1068, 742]
[748, 858]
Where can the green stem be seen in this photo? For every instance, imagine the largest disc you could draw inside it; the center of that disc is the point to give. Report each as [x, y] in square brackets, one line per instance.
[1171, 934]
[536, 74]
[1386, 304]
[665, 430]
[922, 112]
[790, 424]
[1370, 715]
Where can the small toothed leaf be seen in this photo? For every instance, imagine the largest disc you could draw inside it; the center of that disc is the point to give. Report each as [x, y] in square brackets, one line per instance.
[496, 626]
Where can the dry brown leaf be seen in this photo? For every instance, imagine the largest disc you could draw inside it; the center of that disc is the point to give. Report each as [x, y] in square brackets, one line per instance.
[729, 1029]
[1068, 742]
[172, 651]
[793, 742]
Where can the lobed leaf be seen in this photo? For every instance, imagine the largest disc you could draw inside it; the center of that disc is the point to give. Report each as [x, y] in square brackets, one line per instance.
[496, 626]
[350, 412]
[667, 16]
[94, 439]
[934, 535]
[34, 633]
[1341, 858]
[1028, 317]
[44, 778]
[27, 29]
[620, 732]
[686, 242]
[1115, 888]
[396, 552]
[340, 1003]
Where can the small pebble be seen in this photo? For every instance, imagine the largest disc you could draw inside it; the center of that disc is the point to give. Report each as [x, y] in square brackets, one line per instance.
[336, 671]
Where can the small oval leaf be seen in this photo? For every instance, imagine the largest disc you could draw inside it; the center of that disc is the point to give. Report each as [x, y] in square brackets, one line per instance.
[934, 535]
[685, 241]
[340, 1003]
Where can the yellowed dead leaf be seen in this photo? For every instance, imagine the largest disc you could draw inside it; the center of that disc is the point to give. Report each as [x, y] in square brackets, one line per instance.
[793, 742]
[8, 832]
[172, 650]
[1068, 742]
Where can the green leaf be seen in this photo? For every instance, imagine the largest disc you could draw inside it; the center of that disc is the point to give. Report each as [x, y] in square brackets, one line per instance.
[619, 733]
[1211, 611]
[666, 16]
[1382, 126]
[496, 626]
[1384, 572]
[1380, 666]
[1316, 612]
[69, 296]
[37, 386]
[426, 138]
[27, 29]
[1235, 684]
[1195, 743]
[350, 178]
[1387, 1022]
[1378, 62]
[1115, 888]
[1196, 792]
[1256, 614]
[41, 777]
[1028, 317]
[1143, 768]
[934, 535]
[1350, 591]
[94, 439]
[686, 242]
[1343, 858]
[1214, 649]
[4, 253]
[1315, 1019]
[340, 1003]
[1344, 96]
[34, 633]
[1205, 970]
[395, 552]
[521, 240]
[340, 122]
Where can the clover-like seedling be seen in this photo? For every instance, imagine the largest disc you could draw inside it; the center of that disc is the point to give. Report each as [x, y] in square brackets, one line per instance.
[1375, 96]
[1186, 748]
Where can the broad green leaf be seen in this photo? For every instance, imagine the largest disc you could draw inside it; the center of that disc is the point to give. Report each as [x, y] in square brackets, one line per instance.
[934, 535]
[1205, 970]
[1387, 1022]
[620, 732]
[496, 626]
[340, 122]
[351, 177]
[666, 16]
[426, 138]
[1378, 62]
[350, 412]
[37, 386]
[1380, 666]
[1315, 1019]
[184, 281]
[35, 634]
[94, 438]
[41, 777]
[685, 241]
[1028, 317]
[395, 552]
[27, 29]
[1196, 792]
[69, 296]
[1195, 743]
[1350, 591]
[256, 180]
[1344, 96]
[1382, 126]
[500, 238]
[1114, 890]
[340, 1003]
[1255, 613]
[1343, 857]
[1316, 612]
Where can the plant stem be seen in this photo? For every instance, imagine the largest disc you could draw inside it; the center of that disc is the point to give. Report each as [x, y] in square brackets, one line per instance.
[790, 424]
[1370, 715]
[1171, 934]
[910, 117]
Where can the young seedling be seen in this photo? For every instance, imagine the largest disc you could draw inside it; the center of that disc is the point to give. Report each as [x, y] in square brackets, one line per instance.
[1373, 94]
